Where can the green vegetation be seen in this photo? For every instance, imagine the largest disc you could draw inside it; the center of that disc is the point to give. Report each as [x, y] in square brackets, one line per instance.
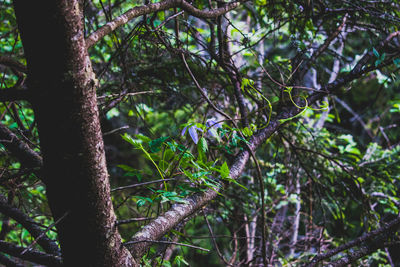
[266, 135]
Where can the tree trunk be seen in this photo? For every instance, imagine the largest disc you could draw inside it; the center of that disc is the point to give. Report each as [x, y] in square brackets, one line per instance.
[63, 88]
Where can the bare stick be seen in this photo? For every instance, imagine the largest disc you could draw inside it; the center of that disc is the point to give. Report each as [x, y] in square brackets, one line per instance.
[165, 242]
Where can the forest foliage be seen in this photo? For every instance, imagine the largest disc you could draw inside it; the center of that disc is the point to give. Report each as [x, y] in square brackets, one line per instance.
[311, 88]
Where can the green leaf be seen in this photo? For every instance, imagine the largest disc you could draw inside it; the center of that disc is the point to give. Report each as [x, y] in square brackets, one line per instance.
[211, 184]
[234, 139]
[162, 164]
[215, 134]
[281, 204]
[179, 260]
[274, 99]
[136, 143]
[288, 89]
[172, 145]
[236, 182]
[142, 137]
[224, 171]
[353, 150]
[161, 15]
[112, 113]
[202, 149]
[142, 201]
[131, 171]
[198, 175]
[375, 52]
[188, 175]
[246, 82]
[396, 62]
[126, 168]
[281, 189]
[247, 132]
[155, 145]
[203, 145]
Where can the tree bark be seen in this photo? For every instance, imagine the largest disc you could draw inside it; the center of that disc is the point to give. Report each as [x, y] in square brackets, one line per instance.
[63, 86]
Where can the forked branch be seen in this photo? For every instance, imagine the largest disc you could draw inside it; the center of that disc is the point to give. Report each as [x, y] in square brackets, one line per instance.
[135, 12]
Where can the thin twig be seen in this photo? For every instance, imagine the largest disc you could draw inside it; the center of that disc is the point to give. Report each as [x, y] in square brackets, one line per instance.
[391, 226]
[168, 19]
[116, 130]
[141, 184]
[259, 174]
[127, 94]
[133, 220]
[201, 90]
[165, 242]
[213, 239]
[44, 233]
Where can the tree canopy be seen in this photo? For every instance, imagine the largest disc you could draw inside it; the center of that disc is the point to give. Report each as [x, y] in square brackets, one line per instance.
[202, 133]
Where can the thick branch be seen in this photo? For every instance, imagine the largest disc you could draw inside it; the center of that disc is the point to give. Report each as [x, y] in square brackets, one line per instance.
[151, 8]
[30, 255]
[164, 223]
[13, 94]
[9, 262]
[8, 61]
[359, 69]
[323, 47]
[46, 243]
[390, 227]
[354, 255]
[19, 149]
